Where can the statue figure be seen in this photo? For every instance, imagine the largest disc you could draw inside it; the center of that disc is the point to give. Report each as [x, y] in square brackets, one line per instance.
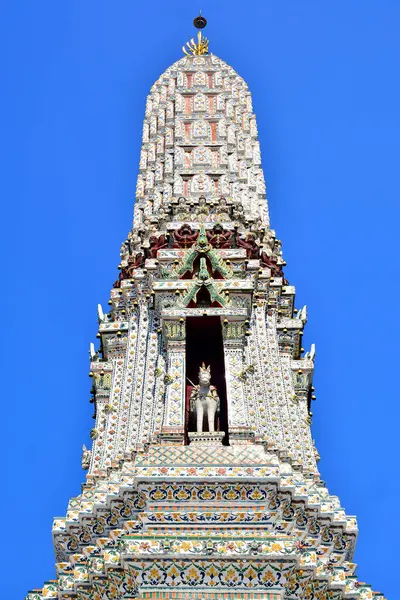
[85, 461]
[156, 243]
[223, 209]
[249, 244]
[204, 399]
[271, 262]
[134, 240]
[238, 212]
[146, 232]
[202, 208]
[134, 262]
[184, 237]
[124, 251]
[219, 237]
[181, 210]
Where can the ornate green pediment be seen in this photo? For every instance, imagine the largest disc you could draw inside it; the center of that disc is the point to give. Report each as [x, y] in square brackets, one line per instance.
[203, 248]
[203, 279]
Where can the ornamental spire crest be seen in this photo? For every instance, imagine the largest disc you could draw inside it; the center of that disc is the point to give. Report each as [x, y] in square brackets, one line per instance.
[200, 47]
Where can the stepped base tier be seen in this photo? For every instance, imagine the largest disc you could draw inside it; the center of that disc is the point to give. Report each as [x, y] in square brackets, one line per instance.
[202, 333]
[207, 522]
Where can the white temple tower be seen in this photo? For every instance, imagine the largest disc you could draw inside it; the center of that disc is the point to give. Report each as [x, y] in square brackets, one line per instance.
[207, 491]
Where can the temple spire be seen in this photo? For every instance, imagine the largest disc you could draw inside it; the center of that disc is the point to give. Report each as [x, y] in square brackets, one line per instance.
[206, 490]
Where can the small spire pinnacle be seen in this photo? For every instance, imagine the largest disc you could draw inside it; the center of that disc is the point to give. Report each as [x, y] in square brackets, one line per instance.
[201, 47]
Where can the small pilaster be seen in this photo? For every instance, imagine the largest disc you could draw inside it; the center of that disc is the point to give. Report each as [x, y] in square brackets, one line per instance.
[173, 429]
[238, 423]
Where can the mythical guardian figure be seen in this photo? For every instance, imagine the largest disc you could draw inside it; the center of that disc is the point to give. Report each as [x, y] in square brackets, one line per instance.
[204, 400]
[85, 461]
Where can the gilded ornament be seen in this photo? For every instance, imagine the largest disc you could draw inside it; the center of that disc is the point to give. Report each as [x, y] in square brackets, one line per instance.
[196, 49]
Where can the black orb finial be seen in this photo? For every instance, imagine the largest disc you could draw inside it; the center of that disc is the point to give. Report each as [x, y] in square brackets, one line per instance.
[200, 22]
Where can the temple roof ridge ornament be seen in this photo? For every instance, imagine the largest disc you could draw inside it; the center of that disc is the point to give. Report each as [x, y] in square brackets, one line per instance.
[201, 47]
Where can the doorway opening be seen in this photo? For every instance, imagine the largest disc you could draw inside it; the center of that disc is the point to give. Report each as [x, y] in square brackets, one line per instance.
[204, 344]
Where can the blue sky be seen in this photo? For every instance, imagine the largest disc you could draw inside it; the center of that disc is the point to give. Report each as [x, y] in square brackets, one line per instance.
[326, 91]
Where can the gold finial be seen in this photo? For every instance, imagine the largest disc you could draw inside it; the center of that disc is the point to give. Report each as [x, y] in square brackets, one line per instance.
[201, 47]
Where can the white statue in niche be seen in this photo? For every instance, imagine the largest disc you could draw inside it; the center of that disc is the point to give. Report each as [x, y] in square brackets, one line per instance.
[204, 400]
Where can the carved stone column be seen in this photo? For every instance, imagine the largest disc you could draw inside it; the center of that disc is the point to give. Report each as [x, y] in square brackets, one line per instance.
[238, 423]
[173, 429]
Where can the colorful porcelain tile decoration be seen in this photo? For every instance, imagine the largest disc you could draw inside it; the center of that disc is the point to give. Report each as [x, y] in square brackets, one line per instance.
[202, 480]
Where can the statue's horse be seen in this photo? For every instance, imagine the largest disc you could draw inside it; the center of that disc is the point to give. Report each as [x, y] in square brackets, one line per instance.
[204, 400]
